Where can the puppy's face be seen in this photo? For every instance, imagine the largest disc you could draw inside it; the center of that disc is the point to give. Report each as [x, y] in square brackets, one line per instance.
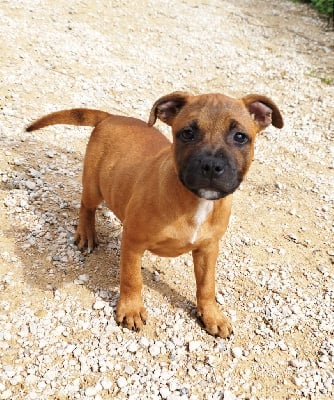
[214, 139]
[213, 145]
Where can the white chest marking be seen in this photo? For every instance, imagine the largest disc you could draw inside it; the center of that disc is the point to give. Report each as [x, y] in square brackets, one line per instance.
[203, 210]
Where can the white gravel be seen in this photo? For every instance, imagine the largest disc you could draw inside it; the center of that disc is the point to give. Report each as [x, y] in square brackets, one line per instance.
[58, 336]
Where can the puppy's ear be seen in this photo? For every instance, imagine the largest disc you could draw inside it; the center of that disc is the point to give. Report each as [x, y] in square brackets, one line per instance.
[264, 111]
[167, 107]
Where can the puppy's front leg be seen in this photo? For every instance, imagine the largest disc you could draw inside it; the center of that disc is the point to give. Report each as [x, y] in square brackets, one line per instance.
[130, 311]
[205, 264]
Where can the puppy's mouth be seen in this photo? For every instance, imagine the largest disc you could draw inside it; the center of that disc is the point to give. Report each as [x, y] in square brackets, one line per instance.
[209, 194]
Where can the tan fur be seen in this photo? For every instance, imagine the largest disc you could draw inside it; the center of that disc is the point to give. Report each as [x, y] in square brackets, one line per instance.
[134, 169]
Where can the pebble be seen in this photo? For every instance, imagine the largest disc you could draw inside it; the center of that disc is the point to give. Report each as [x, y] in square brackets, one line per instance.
[129, 370]
[282, 345]
[91, 391]
[50, 153]
[121, 382]
[133, 347]
[156, 276]
[297, 363]
[164, 392]
[144, 342]
[30, 185]
[17, 162]
[82, 279]
[228, 395]
[237, 352]
[194, 345]
[106, 383]
[99, 305]
[299, 381]
[7, 394]
[154, 350]
[220, 299]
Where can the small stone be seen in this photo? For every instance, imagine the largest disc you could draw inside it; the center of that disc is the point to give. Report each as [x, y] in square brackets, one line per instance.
[282, 252]
[121, 382]
[144, 342]
[7, 394]
[51, 375]
[220, 299]
[133, 347]
[17, 162]
[156, 276]
[221, 347]
[129, 370]
[282, 346]
[293, 363]
[50, 153]
[154, 350]
[236, 352]
[99, 305]
[91, 391]
[30, 185]
[324, 358]
[194, 345]
[280, 186]
[293, 237]
[10, 372]
[228, 395]
[106, 384]
[70, 348]
[298, 381]
[164, 392]
[81, 279]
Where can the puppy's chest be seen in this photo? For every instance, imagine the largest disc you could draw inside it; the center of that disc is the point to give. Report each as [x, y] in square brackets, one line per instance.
[181, 237]
[202, 213]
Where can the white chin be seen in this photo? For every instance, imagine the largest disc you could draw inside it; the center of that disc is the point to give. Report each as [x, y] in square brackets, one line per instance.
[209, 194]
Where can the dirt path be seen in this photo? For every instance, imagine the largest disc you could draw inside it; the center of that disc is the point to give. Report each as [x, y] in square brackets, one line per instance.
[58, 338]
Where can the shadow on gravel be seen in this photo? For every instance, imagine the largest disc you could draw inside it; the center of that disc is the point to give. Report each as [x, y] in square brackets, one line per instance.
[42, 194]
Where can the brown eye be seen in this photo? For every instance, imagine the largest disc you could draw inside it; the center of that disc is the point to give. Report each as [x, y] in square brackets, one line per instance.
[188, 135]
[240, 138]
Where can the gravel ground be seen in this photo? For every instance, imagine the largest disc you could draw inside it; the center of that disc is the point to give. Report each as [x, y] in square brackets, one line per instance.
[58, 337]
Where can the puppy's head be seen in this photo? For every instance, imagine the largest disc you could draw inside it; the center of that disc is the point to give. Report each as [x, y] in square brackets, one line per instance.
[213, 137]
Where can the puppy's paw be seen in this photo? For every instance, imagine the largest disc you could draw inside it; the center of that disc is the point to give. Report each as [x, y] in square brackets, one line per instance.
[85, 238]
[214, 321]
[131, 315]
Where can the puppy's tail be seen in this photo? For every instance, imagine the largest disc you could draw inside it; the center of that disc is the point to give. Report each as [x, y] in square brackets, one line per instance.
[76, 116]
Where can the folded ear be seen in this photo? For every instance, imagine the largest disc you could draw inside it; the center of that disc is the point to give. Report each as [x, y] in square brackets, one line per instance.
[167, 107]
[264, 111]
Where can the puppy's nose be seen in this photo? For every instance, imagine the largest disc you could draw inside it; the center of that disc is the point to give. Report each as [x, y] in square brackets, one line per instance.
[212, 167]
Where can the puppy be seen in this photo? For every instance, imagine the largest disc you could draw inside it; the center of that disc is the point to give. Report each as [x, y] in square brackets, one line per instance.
[172, 198]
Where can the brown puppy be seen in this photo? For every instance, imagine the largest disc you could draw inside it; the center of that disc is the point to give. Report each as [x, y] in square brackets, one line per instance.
[172, 198]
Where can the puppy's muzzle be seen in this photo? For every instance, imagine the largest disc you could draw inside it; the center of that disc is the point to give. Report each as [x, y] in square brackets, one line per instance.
[210, 176]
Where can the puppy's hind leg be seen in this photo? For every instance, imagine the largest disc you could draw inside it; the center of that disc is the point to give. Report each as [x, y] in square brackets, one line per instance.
[85, 235]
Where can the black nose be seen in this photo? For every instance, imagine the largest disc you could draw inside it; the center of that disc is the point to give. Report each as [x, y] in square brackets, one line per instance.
[212, 167]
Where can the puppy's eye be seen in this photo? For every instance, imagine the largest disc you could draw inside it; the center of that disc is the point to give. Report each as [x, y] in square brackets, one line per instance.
[240, 138]
[187, 135]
